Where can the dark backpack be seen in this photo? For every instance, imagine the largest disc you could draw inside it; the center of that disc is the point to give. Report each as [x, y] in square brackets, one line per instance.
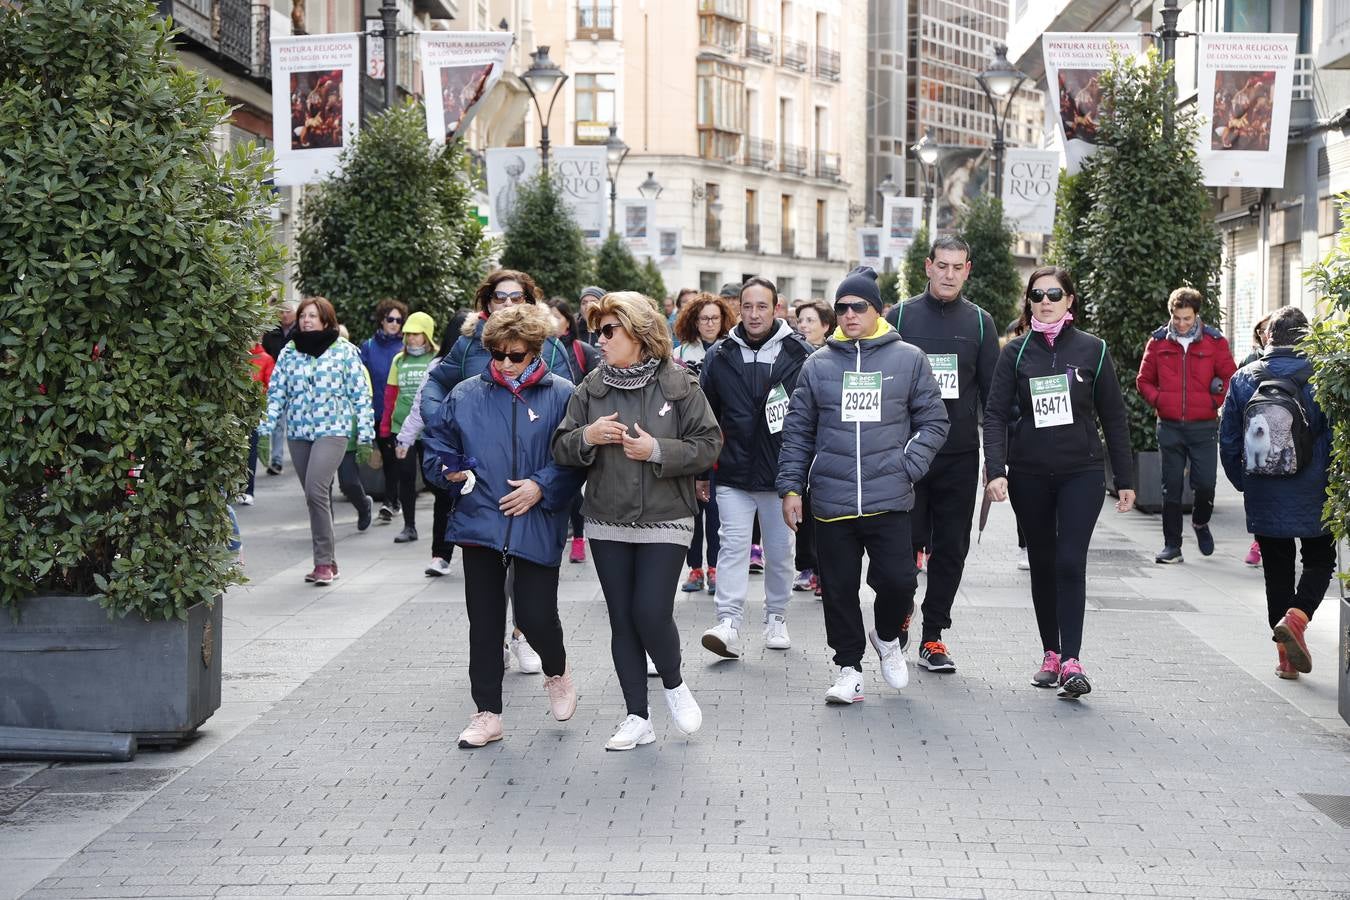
[1277, 439]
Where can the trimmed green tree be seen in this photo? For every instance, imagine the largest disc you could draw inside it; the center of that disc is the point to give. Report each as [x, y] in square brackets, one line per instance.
[397, 221]
[994, 284]
[889, 285]
[136, 267]
[916, 276]
[616, 269]
[544, 240]
[1147, 224]
[654, 283]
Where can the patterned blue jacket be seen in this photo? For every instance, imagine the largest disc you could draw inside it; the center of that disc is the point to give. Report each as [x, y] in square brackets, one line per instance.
[321, 395]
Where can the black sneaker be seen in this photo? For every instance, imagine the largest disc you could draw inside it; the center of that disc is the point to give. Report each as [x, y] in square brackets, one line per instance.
[386, 514]
[933, 657]
[363, 515]
[1204, 540]
[1172, 555]
[274, 469]
[405, 536]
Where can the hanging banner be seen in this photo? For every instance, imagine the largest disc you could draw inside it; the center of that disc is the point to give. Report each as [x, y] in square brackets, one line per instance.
[869, 247]
[636, 225]
[580, 172]
[459, 68]
[963, 173]
[1246, 90]
[375, 49]
[669, 247]
[1073, 64]
[316, 84]
[1030, 182]
[901, 218]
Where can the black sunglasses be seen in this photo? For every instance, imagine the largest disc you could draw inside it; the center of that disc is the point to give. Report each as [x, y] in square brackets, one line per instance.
[502, 356]
[857, 306]
[1037, 294]
[514, 295]
[393, 318]
[607, 331]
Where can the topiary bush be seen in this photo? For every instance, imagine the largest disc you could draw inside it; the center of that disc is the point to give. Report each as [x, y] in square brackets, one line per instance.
[994, 284]
[135, 271]
[916, 276]
[616, 269]
[1328, 347]
[544, 240]
[397, 221]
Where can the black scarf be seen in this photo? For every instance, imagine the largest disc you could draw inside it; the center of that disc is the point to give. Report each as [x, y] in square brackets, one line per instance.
[632, 377]
[315, 343]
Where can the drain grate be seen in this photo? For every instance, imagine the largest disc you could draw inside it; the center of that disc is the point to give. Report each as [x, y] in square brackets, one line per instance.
[1112, 554]
[1140, 604]
[1335, 807]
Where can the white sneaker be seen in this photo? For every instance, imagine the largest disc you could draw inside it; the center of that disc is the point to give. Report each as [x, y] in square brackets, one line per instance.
[894, 669]
[438, 567]
[776, 634]
[634, 731]
[527, 660]
[847, 688]
[1024, 564]
[244, 500]
[684, 709]
[651, 668]
[723, 639]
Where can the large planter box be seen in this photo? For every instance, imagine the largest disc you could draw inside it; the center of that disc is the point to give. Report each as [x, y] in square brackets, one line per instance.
[1343, 663]
[1148, 495]
[64, 664]
[373, 480]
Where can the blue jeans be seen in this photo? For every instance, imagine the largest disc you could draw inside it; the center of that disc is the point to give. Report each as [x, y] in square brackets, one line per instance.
[1198, 444]
[279, 441]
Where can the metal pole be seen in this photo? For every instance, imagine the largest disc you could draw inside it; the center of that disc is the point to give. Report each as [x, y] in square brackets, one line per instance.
[389, 14]
[543, 139]
[999, 145]
[613, 199]
[1169, 35]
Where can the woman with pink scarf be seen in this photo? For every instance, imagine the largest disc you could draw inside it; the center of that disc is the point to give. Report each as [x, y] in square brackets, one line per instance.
[1050, 464]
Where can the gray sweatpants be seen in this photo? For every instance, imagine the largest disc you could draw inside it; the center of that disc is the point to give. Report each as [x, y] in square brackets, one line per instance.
[316, 462]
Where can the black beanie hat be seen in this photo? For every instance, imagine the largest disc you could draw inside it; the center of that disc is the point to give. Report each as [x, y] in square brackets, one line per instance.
[861, 282]
[592, 291]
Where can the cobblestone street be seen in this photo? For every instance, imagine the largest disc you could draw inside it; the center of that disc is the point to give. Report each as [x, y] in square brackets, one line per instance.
[332, 770]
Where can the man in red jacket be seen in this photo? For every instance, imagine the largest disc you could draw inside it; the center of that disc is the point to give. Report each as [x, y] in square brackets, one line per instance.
[1184, 376]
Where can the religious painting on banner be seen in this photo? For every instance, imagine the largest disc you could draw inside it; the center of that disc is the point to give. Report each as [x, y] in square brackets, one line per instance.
[901, 218]
[636, 225]
[315, 103]
[1073, 66]
[963, 174]
[669, 247]
[1030, 181]
[459, 68]
[1246, 90]
[869, 247]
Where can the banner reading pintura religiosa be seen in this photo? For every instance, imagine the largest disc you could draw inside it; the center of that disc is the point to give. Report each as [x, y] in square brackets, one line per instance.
[316, 83]
[1246, 90]
[1073, 66]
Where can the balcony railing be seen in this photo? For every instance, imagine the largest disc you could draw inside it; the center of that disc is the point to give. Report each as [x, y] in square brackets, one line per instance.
[827, 64]
[759, 153]
[1337, 17]
[822, 245]
[792, 159]
[794, 54]
[712, 233]
[752, 237]
[759, 44]
[262, 41]
[727, 9]
[827, 165]
[226, 29]
[788, 242]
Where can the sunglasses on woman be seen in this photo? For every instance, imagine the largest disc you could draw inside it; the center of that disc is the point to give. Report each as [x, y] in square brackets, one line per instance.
[1054, 294]
[607, 331]
[857, 306]
[502, 356]
[398, 319]
[504, 296]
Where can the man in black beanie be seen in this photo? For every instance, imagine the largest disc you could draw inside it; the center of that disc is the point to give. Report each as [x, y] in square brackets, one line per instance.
[865, 422]
[590, 296]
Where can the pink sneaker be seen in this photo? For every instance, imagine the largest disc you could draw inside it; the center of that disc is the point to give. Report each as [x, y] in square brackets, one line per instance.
[324, 575]
[1048, 676]
[578, 550]
[1253, 557]
[1073, 681]
[484, 728]
[562, 695]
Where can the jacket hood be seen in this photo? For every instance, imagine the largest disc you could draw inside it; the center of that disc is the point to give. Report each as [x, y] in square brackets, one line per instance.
[423, 324]
[781, 331]
[883, 334]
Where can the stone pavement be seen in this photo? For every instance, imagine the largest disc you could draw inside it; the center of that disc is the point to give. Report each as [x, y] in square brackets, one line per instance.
[331, 769]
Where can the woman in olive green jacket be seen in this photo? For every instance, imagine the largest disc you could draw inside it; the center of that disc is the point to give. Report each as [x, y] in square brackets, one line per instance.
[642, 428]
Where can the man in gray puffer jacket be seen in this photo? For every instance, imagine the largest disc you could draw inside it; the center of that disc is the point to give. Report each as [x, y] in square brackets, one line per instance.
[864, 424]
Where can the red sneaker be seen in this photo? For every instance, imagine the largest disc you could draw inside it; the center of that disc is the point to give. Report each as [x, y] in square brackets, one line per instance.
[694, 583]
[1289, 634]
[1283, 669]
[578, 550]
[323, 575]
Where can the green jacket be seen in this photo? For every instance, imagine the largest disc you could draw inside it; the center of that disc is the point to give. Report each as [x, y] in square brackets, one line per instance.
[672, 409]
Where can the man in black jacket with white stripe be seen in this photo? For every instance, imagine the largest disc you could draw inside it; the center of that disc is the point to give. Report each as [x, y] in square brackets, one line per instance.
[961, 343]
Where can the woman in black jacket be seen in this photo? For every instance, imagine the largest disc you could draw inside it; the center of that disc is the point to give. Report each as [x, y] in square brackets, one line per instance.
[1050, 461]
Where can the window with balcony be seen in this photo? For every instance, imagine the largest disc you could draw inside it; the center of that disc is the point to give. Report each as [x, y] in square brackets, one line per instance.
[712, 216]
[787, 238]
[752, 221]
[822, 231]
[595, 106]
[721, 109]
[595, 19]
[721, 24]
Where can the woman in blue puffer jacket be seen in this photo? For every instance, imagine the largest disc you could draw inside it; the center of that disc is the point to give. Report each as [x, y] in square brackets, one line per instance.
[492, 442]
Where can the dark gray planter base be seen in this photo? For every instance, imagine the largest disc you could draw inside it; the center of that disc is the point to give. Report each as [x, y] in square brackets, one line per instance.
[1343, 663]
[1148, 496]
[65, 665]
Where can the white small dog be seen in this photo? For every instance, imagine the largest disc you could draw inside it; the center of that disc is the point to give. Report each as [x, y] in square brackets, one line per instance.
[1257, 443]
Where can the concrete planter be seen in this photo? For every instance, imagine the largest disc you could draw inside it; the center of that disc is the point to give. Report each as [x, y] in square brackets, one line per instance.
[1148, 495]
[1343, 662]
[66, 665]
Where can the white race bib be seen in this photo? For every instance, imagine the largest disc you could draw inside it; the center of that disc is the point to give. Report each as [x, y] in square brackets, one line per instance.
[861, 400]
[1050, 401]
[944, 370]
[775, 408]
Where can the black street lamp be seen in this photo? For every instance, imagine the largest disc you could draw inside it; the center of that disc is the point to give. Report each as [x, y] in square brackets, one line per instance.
[543, 77]
[1000, 81]
[1169, 35]
[650, 186]
[886, 188]
[616, 151]
[389, 18]
[926, 151]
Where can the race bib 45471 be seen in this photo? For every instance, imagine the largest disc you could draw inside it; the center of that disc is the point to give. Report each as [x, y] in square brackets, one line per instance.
[1050, 404]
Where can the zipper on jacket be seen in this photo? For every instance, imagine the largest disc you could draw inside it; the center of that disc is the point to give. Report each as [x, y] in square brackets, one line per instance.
[511, 520]
[857, 437]
[1184, 356]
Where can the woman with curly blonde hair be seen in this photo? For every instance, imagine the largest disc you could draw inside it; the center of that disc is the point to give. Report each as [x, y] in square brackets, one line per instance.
[642, 429]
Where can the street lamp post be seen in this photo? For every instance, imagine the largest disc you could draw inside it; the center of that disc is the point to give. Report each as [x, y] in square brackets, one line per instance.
[886, 188]
[926, 151]
[1169, 35]
[543, 77]
[616, 151]
[998, 82]
[650, 186]
[389, 17]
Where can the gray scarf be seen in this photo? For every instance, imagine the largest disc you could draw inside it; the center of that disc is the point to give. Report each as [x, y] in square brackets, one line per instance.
[631, 378]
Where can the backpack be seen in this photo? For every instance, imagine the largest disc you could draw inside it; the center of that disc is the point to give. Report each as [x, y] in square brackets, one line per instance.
[1277, 439]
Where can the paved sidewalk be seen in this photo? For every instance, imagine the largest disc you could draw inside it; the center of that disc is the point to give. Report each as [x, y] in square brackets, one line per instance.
[332, 769]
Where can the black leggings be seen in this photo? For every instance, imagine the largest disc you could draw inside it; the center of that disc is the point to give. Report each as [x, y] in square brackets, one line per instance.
[389, 465]
[408, 467]
[639, 581]
[440, 521]
[806, 538]
[707, 528]
[536, 614]
[1058, 514]
[578, 520]
[1277, 562]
